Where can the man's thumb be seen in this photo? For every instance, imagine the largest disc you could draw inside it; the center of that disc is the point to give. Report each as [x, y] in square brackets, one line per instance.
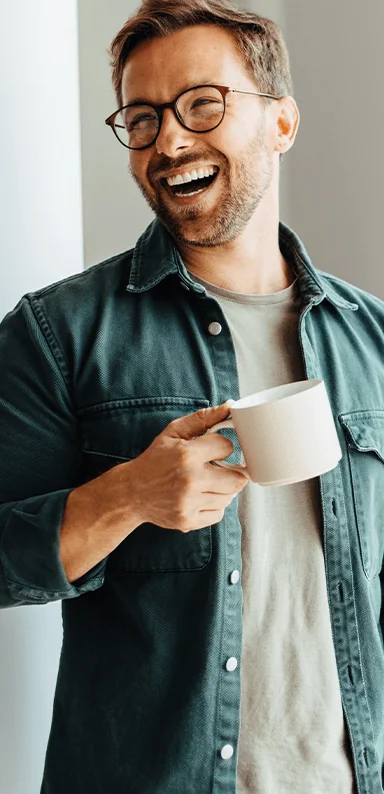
[196, 424]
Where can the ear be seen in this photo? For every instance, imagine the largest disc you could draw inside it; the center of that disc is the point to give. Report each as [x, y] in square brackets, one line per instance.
[287, 123]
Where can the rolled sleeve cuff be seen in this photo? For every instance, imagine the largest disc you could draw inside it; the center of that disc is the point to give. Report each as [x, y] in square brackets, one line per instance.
[30, 552]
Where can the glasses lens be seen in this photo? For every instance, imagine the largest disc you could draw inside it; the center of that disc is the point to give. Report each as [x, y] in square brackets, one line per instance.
[201, 108]
[137, 126]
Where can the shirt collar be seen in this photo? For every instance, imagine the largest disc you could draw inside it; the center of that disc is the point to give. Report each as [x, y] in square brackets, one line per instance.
[155, 256]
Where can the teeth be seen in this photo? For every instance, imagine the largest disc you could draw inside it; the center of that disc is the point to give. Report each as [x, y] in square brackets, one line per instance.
[189, 176]
[200, 190]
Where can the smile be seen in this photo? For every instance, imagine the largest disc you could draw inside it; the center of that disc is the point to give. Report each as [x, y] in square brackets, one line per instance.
[191, 183]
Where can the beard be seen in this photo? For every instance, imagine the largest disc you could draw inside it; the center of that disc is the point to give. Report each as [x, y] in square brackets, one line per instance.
[252, 175]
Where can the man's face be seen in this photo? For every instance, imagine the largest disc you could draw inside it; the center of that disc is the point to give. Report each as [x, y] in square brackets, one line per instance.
[242, 147]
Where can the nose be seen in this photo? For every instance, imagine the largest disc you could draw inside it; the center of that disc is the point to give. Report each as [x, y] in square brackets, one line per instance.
[172, 136]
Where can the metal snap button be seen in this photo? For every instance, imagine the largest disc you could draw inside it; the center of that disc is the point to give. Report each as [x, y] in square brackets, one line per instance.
[214, 329]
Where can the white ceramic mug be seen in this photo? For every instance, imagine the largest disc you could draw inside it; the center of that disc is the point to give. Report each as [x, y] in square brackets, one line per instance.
[287, 434]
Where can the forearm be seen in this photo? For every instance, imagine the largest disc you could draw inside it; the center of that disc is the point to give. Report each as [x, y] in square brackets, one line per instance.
[94, 523]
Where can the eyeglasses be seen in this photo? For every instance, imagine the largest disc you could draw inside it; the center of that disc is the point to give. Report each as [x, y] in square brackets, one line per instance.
[199, 109]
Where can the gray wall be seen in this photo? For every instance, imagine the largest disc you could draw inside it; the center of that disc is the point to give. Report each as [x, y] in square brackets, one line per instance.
[336, 168]
[114, 212]
[331, 180]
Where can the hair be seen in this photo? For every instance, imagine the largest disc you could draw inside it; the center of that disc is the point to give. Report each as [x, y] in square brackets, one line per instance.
[259, 40]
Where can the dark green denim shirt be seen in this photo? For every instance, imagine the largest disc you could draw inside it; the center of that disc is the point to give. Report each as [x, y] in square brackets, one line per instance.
[93, 368]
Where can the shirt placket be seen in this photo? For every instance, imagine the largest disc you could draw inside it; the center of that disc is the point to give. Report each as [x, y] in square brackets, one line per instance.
[227, 727]
[341, 600]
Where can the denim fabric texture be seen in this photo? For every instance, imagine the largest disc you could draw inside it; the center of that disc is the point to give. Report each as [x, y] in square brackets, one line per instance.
[93, 368]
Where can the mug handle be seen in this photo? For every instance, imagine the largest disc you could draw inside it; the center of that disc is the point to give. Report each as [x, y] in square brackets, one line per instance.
[234, 466]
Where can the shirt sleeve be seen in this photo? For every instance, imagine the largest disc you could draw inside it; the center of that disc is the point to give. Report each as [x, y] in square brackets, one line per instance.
[40, 456]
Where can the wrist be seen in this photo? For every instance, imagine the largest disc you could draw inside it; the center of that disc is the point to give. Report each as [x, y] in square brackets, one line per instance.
[113, 497]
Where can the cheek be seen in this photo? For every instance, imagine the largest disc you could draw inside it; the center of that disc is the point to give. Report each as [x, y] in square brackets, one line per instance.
[231, 140]
[139, 167]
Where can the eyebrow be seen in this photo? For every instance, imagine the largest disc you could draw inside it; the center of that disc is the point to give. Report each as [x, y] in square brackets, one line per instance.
[143, 101]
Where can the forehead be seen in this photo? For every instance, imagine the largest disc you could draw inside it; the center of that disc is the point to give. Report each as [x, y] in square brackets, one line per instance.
[157, 70]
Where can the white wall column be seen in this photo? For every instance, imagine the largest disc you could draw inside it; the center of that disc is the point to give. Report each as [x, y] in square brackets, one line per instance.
[41, 242]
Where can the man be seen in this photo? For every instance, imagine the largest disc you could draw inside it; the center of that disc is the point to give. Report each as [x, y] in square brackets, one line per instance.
[218, 637]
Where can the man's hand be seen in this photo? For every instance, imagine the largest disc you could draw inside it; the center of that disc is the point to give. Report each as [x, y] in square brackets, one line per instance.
[172, 483]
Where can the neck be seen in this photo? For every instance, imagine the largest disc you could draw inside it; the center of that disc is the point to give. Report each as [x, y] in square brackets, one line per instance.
[250, 264]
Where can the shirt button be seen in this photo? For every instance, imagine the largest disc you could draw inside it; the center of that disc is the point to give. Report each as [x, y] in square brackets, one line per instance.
[227, 751]
[235, 576]
[231, 664]
[214, 329]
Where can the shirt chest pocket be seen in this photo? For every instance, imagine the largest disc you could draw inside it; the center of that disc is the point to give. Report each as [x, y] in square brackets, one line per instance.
[117, 432]
[365, 436]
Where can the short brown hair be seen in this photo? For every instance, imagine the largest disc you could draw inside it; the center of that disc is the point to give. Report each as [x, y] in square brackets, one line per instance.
[259, 40]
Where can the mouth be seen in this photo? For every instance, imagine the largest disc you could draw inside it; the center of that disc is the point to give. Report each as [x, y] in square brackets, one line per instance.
[188, 192]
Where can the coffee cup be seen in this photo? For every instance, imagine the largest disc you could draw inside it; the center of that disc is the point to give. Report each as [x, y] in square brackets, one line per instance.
[287, 433]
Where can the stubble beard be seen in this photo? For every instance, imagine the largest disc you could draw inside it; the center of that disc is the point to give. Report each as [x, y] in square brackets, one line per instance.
[252, 176]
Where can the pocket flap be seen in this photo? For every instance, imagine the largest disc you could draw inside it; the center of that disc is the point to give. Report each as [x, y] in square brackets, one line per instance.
[366, 430]
[365, 436]
[117, 432]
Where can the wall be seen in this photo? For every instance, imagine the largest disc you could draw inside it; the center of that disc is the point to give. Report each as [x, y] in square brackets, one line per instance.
[331, 179]
[41, 242]
[41, 231]
[114, 210]
[336, 168]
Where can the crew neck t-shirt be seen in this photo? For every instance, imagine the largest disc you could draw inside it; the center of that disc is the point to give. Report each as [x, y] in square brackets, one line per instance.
[293, 737]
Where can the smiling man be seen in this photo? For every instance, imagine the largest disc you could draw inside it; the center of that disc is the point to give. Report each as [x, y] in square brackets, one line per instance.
[211, 173]
[218, 637]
